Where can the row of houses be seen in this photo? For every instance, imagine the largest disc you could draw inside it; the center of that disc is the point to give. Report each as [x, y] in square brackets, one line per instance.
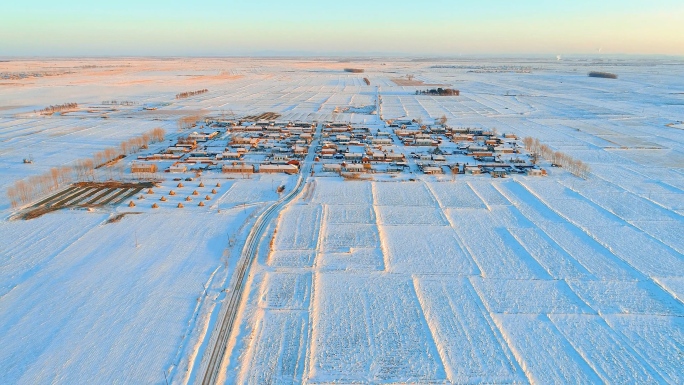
[242, 168]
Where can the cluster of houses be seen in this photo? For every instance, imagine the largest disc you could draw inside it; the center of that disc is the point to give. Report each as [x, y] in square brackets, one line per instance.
[434, 149]
[349, 148]
[235, 147]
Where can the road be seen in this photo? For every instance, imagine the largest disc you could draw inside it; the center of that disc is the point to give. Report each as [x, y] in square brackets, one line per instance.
[231, 304]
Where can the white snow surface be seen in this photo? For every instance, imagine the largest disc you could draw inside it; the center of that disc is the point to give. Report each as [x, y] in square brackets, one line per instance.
[444, 279]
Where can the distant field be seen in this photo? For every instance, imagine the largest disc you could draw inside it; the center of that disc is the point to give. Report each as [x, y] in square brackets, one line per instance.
[405, 278]
[414, 83]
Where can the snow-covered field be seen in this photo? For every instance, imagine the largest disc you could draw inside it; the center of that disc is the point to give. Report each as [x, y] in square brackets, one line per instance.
[441, 279]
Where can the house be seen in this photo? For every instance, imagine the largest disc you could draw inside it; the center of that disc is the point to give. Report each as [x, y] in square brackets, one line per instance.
[175, 168]
[405, 133]
[473, 170]
[425, 142]
[237, 168]
[378, 156]
[177, 150]
[280, 158]
[332, 167]
[381, 141]
[536, 172]
[232, 155]
[394, 156]
[278, 168]
[430, 170]
[143, 168]
[354, 167]
[481, 154]
[499, 172]
[503, 150]
[462, 138]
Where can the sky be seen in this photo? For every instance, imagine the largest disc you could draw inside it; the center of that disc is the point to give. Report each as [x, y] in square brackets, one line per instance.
[349, 27]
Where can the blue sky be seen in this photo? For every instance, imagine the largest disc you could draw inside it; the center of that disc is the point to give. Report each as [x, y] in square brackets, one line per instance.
[427, 27]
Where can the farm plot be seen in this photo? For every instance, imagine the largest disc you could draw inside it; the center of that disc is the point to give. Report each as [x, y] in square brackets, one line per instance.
[370, 328]
[495, 250]
[291, 258]
[101, 286]
[456, 195]
[658, 339]
[86, 194]
[587, 251]
[651, 258]
[343, 192]
[488, 193]
[542, 352]
[619, 297]
[668, 232]
[469, 344]
[252, 191]
[410, 215]
[277, 353]
[43, 239]
[347, 214]
[402, 194]
[607, 353]
[346, 237]
[628, 206]
[674, 286]
[285, 290]
[298, 228]
[424, 250]
[556, 261]
[528, 296]
[355, 259]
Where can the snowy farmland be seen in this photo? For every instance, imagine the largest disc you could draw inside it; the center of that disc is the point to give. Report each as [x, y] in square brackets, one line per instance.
[417, 279]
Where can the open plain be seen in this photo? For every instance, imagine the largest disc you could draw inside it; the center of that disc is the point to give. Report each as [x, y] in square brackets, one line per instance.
[324, 270]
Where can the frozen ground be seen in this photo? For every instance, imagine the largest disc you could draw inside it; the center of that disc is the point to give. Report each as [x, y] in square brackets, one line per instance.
[432, 281]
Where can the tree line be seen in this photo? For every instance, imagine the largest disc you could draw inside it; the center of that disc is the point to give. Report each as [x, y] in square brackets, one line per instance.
[190, 93]
[25, 191]
[189, 121]
[439, 92]
[121, 103]
[58, 107]
[575, 166]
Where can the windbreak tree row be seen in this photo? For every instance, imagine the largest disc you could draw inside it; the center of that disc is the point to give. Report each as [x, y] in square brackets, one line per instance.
[27, 190]
[190, 93]
[58, 108]
[538, 149]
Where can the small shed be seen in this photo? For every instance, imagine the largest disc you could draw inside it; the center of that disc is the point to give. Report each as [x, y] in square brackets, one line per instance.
[176, 168]
[430, 170]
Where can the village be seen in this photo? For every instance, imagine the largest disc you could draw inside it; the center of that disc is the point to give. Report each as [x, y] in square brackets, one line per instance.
[397, 147]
